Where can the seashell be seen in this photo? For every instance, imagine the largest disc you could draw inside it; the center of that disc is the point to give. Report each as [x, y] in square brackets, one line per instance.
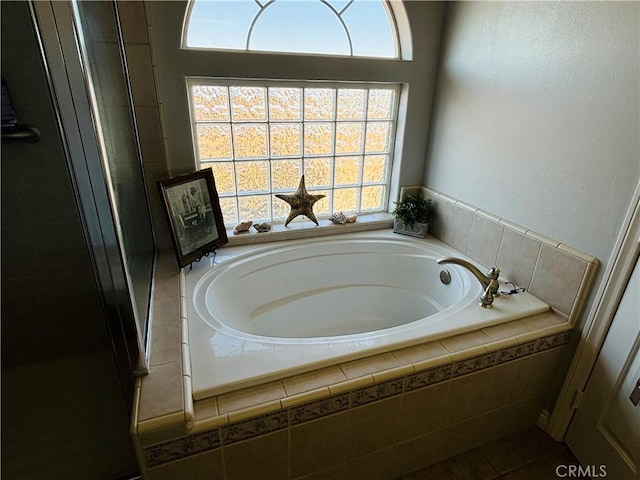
[352, 218]
[242, 227]
[262, 227]
[338, 218]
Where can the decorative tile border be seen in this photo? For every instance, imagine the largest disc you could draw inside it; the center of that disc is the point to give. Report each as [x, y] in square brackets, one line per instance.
[475, 364]
[181, 448]
[552, 341]
[427, 377]
[318, 409]
[254, 427]
[514, 353]
[189, 445]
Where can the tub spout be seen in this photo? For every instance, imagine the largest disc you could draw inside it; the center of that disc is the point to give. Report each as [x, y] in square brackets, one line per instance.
[489, 281]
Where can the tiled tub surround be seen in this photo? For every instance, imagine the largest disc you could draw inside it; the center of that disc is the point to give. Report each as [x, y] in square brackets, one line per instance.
[265, 313]
[378, 417]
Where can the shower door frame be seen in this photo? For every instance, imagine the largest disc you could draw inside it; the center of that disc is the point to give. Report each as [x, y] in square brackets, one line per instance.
[54, 25]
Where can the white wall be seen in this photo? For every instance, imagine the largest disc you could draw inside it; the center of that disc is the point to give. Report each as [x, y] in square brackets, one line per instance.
[537, 115]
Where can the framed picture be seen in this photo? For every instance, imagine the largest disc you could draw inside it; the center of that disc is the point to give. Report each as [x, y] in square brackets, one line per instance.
[192, 208]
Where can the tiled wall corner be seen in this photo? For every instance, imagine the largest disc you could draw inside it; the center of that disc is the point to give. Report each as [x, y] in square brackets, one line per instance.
[556, 273]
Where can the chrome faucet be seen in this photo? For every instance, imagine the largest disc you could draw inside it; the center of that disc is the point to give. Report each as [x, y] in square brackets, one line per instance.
[489, 281]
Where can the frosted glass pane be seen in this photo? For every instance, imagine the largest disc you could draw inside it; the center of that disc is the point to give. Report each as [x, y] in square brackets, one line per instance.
[318, 138]
[285, 103]
[380, 104]
[248, 103]
[250, 141]
[347, 170]
[214, 142]
[252, 176]
[345, 199]
[377, 137]
[321, 207]
[220, 23]
[349, 137]
[317, 172]
[372, 198]
[280, 208]
[375, 169]
[285, 174]
[299, 27]
[255, 207]
[224, 177]
[351, 104]
[286, 139]
[210, 103]
[229, 210]
[319, 103]
[370, 29]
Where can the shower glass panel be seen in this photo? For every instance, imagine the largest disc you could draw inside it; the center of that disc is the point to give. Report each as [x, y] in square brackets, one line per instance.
[104, 60]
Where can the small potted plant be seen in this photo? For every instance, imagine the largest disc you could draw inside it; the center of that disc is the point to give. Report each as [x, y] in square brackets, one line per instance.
[413, 215]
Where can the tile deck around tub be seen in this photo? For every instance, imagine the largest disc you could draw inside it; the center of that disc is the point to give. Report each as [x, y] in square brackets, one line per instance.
[440, 360]
[256, 411]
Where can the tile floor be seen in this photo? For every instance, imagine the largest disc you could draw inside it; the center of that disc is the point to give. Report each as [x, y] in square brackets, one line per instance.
[527, 455]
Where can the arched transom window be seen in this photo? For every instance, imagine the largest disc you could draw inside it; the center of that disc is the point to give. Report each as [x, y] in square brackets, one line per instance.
[361, 28]
[260, 135]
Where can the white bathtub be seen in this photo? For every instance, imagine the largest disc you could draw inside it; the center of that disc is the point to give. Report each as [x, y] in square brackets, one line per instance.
[267, 312]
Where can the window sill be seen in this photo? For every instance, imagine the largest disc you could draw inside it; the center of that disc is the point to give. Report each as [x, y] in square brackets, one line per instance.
[308, 229]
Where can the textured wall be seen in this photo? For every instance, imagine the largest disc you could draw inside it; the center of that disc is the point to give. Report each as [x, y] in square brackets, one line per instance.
[536, 117]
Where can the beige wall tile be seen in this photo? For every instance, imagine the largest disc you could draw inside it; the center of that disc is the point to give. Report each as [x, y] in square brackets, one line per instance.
[141, 75]
[458, 438]
[557, 278]
[466, 397]
[310, 381]
[133, 21]
[543, 369]
[517, 257]
[453, 224]
[161, 392]
[506, 330]
[421, 411]
[465, 341]
[165, 344]
[374, 466]
[543, 320]
[273, 450]
[366, 366]
[198, 467]
[165, 311]
[421, 352]
[318, 445]
[507, 384]
[332, 473]
[206, 408]
[372, 427]
[413, 455]
[249, 397]
[484, 240]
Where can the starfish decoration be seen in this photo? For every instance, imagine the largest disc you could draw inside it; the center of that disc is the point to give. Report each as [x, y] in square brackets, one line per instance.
[301, 203]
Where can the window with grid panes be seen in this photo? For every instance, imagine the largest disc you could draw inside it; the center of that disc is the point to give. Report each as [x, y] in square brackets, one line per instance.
[260, 137]
[259, 140]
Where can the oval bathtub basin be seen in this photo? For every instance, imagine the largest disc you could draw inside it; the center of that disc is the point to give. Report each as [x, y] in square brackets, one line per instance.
[266, 312]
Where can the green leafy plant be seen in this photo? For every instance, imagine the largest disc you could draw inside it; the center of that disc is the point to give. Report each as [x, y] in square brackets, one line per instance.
[414, 209]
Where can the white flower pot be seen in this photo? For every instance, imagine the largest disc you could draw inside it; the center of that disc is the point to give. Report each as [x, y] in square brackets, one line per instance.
[419, 230]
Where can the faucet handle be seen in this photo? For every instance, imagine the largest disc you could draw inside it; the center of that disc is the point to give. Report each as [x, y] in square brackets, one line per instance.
[494, 272]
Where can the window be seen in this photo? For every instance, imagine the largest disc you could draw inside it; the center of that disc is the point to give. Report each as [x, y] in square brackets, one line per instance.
[407, 79]
[363, 28]
[260, 137]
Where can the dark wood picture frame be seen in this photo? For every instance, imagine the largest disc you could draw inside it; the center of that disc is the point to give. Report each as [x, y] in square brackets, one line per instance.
[192, 208]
